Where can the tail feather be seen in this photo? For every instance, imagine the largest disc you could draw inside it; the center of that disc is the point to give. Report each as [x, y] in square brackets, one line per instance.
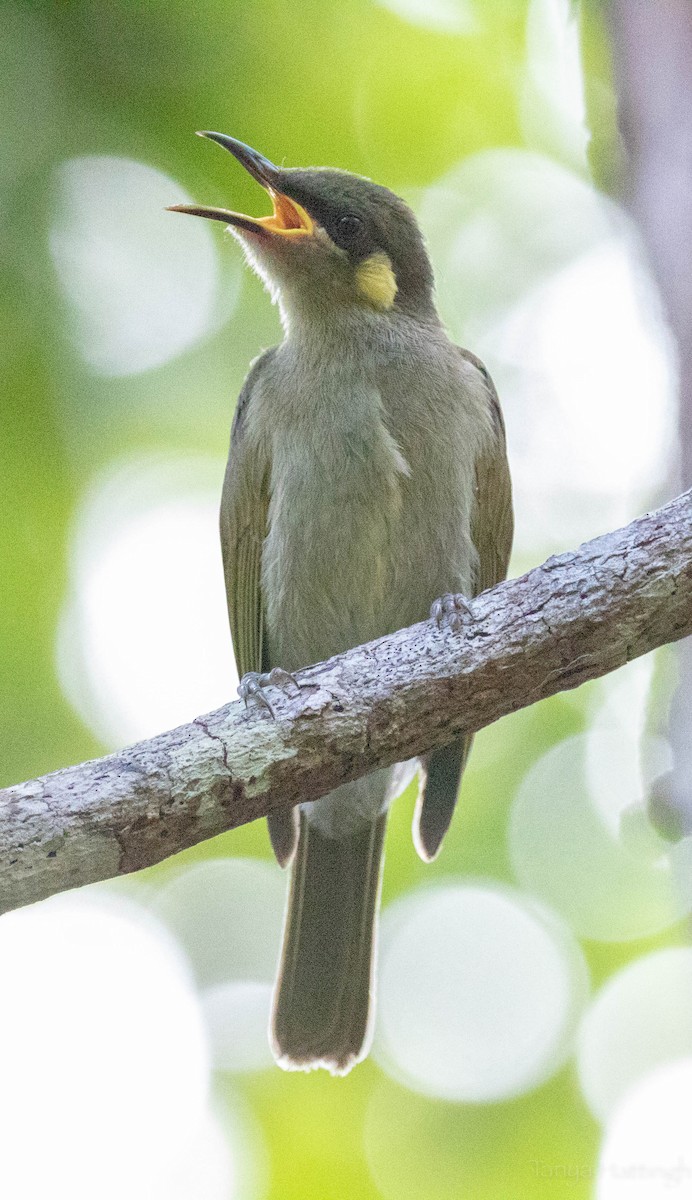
[322, 1003]
[283, 834]
[436, 804]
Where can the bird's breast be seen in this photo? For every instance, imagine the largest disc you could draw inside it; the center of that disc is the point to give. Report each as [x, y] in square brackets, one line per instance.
[372, 489]
[335, 531]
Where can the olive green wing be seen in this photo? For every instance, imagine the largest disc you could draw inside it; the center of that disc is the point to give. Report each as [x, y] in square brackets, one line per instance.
[492, 528]
[243, 527]
[492, 522]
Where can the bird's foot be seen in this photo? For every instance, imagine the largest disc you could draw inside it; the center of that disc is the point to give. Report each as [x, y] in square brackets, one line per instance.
[452, 611]
[253, 683]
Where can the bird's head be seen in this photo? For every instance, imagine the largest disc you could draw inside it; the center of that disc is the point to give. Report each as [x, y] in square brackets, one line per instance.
[333, 240]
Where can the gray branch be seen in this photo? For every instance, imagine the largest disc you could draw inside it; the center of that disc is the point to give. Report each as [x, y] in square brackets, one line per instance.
[576, 617]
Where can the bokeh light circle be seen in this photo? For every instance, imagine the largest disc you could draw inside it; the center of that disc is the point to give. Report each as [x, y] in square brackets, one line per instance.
[640, 1019]
[552, 103]
[139, 292]
[237, 1021]
[215, 1169]
[479, 992]
[646, 1150]
[445, 16]
[228, 915]
[544, 277]
[143, 642]
[103, 1051]
[565, 370]
[511, 208]
[563, 849]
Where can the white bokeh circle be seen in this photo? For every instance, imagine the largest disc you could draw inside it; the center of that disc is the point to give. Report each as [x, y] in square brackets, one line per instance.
[143, 641]
[228, 915]
[567, 370]
[579, 834]
[622, 758]
[207, 906]
[210, 1171]
[499, 223]
[646, 1150]
[545, 279]
[103, 1050]
[237, 1021]
[641, 1018]
[551, 98]
[139, 292]
[563, 852]
[444, 16]
[479, 992]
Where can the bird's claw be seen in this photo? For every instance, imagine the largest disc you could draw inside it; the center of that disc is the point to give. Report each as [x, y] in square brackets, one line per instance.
[452, 611]
[253, 683]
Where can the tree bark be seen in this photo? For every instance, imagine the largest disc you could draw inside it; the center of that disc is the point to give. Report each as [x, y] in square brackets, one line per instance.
[576, 617]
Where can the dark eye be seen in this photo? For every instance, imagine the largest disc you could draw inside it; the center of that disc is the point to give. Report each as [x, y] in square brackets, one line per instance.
[349, 227]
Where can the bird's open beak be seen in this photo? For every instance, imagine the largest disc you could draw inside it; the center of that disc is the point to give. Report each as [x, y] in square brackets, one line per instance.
[288, 219]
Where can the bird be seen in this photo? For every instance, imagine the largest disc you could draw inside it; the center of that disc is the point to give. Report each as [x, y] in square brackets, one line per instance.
[367, 488]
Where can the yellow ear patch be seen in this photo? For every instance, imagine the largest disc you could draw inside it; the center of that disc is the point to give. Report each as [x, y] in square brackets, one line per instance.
[376, 282]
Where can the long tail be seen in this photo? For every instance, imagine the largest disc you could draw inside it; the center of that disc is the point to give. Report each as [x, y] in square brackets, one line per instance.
[435, 807]
[322, 1002]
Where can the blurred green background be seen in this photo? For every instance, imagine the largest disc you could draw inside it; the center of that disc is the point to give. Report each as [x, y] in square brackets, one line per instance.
[522, 973]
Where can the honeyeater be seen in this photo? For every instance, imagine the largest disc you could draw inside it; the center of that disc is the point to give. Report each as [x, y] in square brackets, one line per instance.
[367, 487]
